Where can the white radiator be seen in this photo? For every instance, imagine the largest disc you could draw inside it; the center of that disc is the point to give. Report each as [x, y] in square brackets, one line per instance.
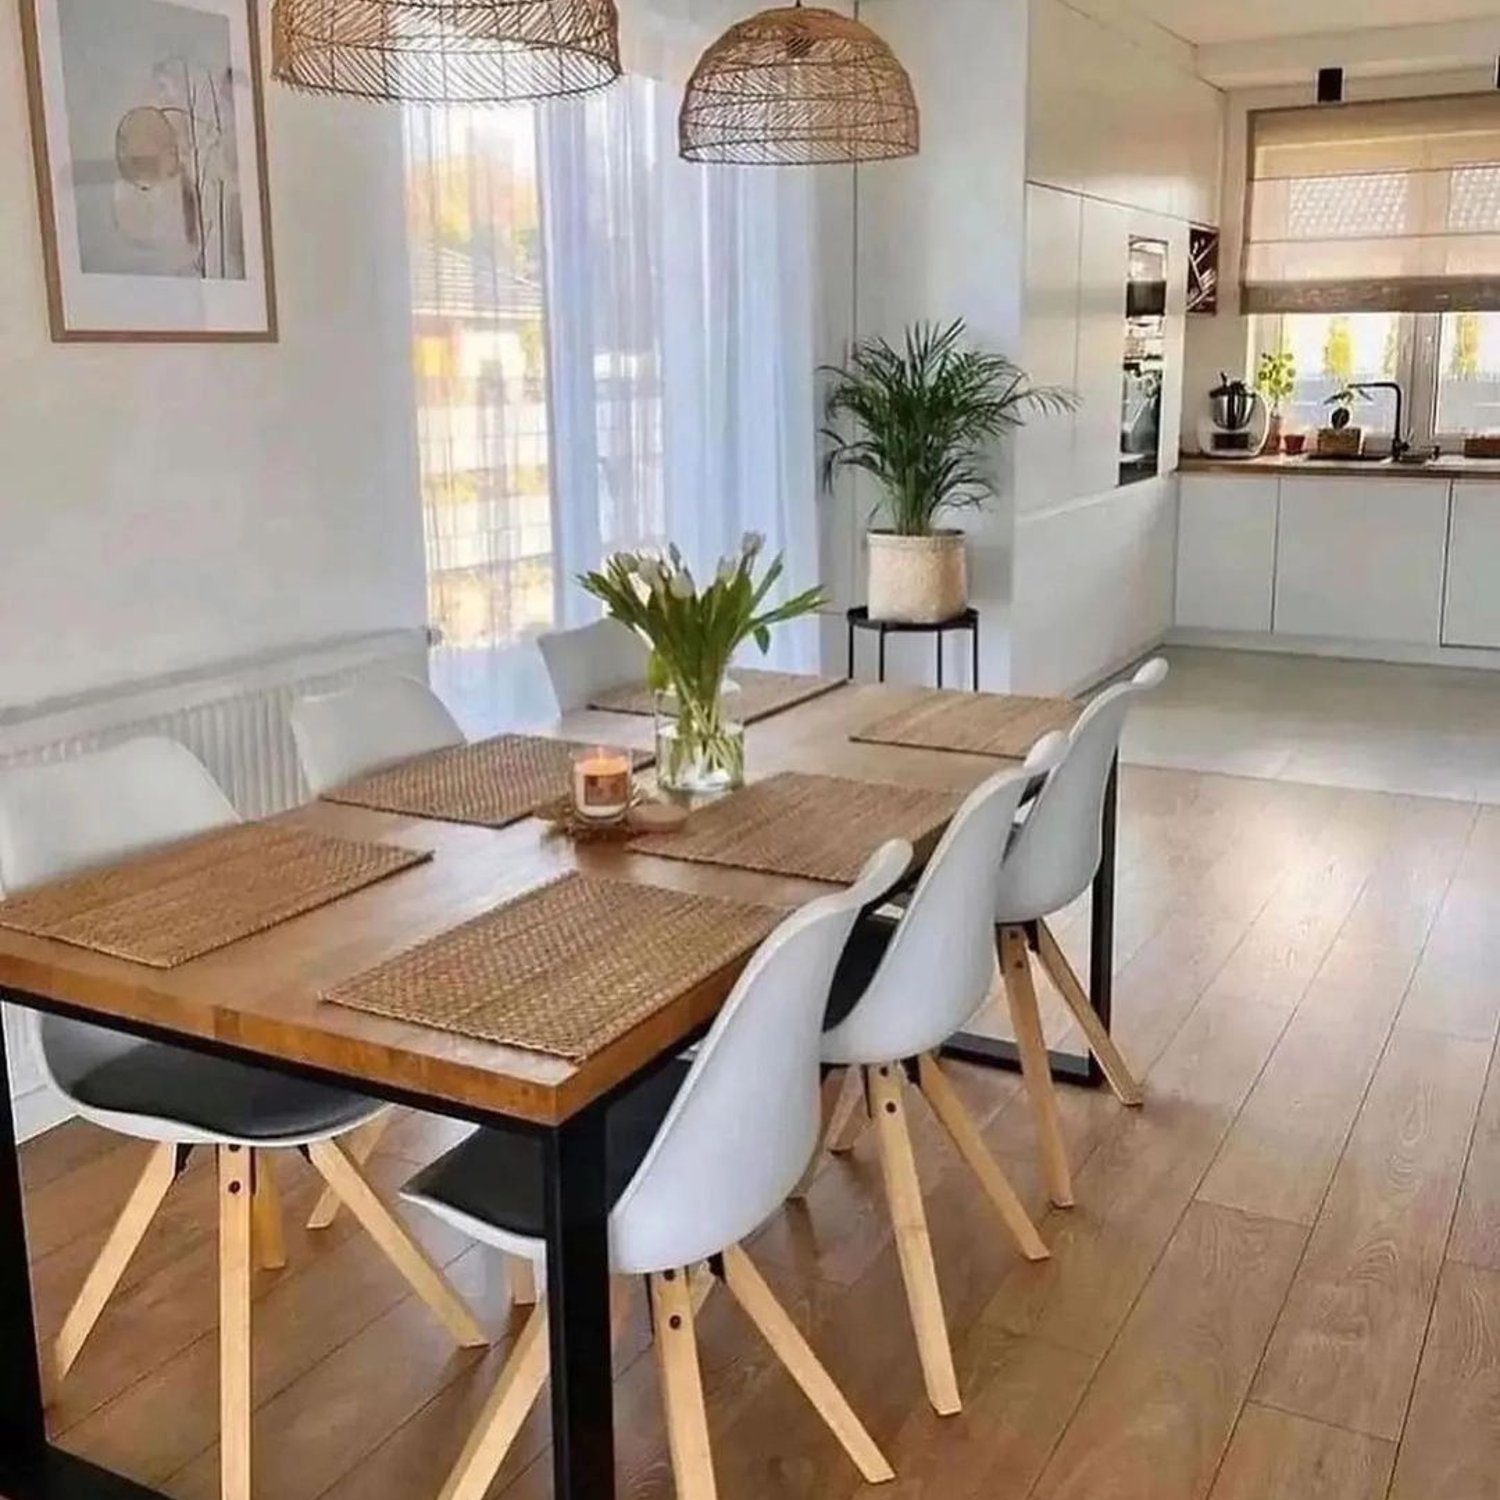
[235, 717]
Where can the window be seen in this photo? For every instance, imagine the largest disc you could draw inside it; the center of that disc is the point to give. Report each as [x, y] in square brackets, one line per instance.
[612, 348]
[1447, 364]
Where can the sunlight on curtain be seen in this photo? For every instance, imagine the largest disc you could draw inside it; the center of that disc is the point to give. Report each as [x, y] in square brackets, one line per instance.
[614, 349]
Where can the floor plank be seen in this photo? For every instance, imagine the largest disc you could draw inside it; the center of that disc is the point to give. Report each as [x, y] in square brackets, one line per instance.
[1476, 1227]
[1280, 1155]
[1452, 1443]
[1160, 1412]
[1276, 1456]
[1346, 1348]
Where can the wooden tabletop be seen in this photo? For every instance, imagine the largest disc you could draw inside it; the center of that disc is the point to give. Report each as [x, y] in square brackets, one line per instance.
[262, 994]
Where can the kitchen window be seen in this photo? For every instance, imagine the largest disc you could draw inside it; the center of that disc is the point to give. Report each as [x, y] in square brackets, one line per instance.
[1447, 364]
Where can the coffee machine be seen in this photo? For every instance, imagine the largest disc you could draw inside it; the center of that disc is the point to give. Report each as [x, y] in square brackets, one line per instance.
[1237, 422]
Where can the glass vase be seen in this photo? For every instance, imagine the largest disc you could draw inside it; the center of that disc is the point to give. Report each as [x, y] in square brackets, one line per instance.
[700, 742]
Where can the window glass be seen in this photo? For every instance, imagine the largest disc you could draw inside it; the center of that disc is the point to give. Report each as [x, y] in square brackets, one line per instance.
[1468, 373]
[1333, 350]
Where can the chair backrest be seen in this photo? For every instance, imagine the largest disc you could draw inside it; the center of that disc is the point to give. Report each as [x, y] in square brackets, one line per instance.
[592, 659]
[1056, 852]
[745, 1123]
[940, 964]
[372, 724]
[68, 816]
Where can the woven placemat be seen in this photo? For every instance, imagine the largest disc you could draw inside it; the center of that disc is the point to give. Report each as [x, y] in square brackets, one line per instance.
[995, 724]
[816, 827]
[492, 782]
[179, 903]
[761, 694]
[564, 969]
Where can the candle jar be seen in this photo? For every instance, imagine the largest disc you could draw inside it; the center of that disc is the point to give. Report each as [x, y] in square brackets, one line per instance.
[601, 784]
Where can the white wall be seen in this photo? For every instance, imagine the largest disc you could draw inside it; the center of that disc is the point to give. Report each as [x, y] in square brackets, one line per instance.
[937, 238]
[163, 506]
[1124, 140]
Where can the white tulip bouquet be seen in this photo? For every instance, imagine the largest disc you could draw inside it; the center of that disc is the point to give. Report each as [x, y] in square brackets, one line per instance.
[693, 632]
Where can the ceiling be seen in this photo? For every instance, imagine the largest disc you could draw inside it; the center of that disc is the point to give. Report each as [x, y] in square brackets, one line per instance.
[1208, 21]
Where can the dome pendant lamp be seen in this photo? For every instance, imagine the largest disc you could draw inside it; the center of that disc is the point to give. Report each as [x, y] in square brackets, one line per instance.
[446, 51]
[798, 86]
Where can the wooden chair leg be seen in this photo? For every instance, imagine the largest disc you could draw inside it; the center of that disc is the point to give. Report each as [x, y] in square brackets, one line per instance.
[520, 1278]
[682, 1386]
[851, 1119]
[514, 1395]
[1124, 1082]
[964, 1134]
[361, 1146]
[701, 1284]
[835, 1091]
[123, 1241]
[382, 1225]
[903, 1192]
[269, 1235]
[236, 1254]
[1020, 993]
[759, 1302]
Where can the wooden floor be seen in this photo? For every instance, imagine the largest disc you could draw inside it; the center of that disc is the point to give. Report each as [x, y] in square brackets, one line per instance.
[1281, 1281]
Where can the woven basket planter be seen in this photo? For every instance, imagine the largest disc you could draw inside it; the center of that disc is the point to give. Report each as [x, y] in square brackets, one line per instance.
[917, 580]
[1340, 442]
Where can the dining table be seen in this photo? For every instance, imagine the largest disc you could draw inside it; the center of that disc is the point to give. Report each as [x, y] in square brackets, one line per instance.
[261, 1000]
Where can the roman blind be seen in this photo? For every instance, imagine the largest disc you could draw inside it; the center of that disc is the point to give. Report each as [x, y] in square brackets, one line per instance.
[1379, 207]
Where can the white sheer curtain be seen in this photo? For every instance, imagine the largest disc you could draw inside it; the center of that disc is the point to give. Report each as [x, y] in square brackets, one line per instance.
[670, 339]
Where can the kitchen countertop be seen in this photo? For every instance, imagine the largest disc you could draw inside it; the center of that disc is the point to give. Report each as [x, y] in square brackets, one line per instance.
[1449, 466]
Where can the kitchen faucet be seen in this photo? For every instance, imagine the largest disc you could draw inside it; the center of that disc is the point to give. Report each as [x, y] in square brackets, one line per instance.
[1399, 446]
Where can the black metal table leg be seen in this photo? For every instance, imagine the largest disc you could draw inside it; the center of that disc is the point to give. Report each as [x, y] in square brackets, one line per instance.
[882, 655]
[974, 645]
[940, 658]
[583, 1465]
[851, 650]
[23, 1425]
[1068, 1067]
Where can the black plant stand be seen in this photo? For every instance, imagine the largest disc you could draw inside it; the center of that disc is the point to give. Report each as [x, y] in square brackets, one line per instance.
[859, 619]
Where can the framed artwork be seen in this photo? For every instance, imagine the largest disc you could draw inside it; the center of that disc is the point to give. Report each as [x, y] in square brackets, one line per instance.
[148, 128]
[1203, 269]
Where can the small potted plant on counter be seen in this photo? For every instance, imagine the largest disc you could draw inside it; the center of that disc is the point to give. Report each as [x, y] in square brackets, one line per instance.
[919, 420]
[1276, 380]
[1341, 438]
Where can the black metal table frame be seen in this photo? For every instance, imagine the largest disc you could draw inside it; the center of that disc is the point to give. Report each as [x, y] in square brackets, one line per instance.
[577, 1232]
[577, 1217]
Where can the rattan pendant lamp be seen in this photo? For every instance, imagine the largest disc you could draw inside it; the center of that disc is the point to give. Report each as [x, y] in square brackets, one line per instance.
[798, 86]
[446, 51]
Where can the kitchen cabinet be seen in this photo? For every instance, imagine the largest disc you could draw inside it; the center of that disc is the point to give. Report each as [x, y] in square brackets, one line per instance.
[1226, 551]
[1361, 559]
[1471, 614]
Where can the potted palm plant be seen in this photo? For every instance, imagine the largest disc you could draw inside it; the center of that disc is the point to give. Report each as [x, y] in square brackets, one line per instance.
[921, 419]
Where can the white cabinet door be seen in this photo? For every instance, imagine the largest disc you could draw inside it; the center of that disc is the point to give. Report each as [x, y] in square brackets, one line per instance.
[1226, 551]
[1472, 613]
[1361, 559]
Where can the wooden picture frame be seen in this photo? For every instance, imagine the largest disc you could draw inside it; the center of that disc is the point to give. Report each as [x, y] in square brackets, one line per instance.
[152, 186]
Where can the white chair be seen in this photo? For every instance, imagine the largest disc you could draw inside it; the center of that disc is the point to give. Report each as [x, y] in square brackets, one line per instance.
[358, 729]
[590, 660]
[903, 988]
[699, 1156]
[95, 810]
[1053, 858]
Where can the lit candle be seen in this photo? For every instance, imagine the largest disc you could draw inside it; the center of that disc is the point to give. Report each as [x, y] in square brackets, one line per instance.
[601, 783]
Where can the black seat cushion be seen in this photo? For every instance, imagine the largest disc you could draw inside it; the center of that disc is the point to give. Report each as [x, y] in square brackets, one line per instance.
[216, 1095]
[857, 965]
[497, 1177]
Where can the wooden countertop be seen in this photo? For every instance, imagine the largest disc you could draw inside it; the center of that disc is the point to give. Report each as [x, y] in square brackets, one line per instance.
[1450, 466]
